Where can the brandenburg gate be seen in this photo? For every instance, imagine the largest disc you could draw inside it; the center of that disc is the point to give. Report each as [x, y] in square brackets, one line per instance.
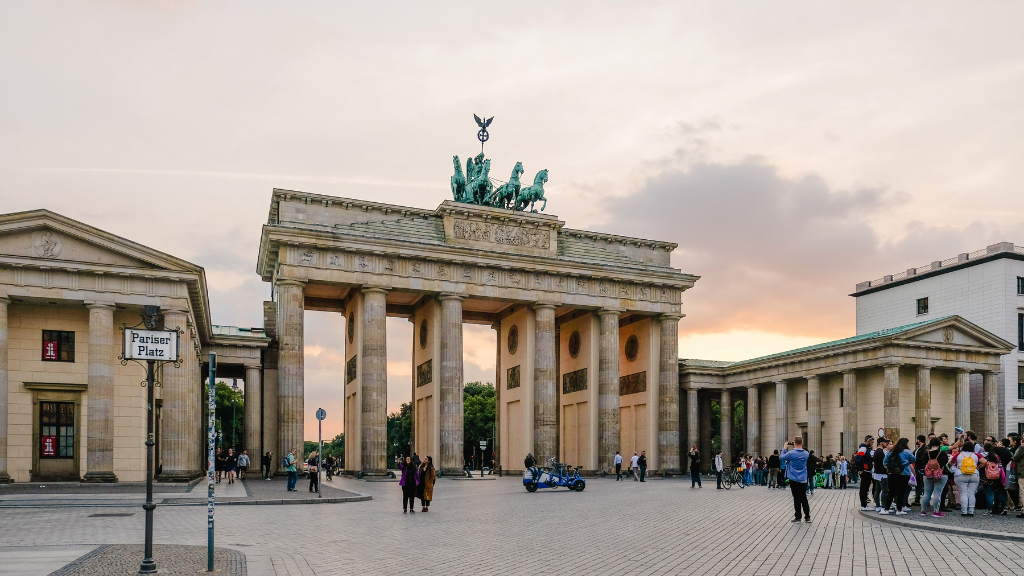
[587, 326]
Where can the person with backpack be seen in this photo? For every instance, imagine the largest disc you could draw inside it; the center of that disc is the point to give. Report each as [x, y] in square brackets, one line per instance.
[934, 478]
[921, 459]
[879, 477]
[289, 468]
[773, 470]
[965, 474]
[899, 465]
[863, 464]
[994, 478]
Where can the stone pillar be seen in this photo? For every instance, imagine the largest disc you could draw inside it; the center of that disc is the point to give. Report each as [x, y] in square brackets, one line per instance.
[253, 421]
[813, 440]
[990, 392]
[850, 429]
[100, 441]
[496, 450]
[923, 402]
[450, 389]
[781, 415]
[608, 390]
[725, 405]
[4, 304]
[891, 402]
[692, 421]
[374, 384]
[545, 395]
[291, 307]
[668, 396]
[176, 449]
[753, 410]
[962, 411]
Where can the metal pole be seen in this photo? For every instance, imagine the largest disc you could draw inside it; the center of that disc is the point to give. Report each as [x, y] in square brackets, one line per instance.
[319, 457]
[211, 438]
[148, 565]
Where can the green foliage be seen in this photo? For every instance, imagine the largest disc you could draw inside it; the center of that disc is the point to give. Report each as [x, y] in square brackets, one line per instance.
[336, 448]
[229, 415]
[307, 448]
[399, 434]
[739, 427]
[479, 409]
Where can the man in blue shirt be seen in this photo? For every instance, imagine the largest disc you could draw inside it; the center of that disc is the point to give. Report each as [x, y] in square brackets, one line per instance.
[795, 457]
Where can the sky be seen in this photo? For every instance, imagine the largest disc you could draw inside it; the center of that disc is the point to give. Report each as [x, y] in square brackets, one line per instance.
[791, 149]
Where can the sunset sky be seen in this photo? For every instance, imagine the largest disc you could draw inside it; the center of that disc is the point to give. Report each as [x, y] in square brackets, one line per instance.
[791, 149]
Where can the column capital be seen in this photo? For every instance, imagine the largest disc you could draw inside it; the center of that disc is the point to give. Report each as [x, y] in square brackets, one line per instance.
[96, 304]
[450, 296]
[963, 371]
[543, 305]
[892, 365]
[609, 312]
[182, 311]
[783, 382]
[373, 290]
[850, 371]
[671, 316]
[290, 282]
[4, 299]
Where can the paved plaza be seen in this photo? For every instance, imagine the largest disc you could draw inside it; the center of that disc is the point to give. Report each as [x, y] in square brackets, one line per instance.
[658, 527]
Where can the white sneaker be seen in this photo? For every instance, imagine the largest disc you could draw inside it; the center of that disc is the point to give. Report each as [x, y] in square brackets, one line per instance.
[883, 512]
[868, 508]
[878, 508]
[906, 509]
[901, 513]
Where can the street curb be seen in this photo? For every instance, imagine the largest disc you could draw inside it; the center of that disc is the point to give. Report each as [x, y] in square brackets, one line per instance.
[940, 528]
[273, 502]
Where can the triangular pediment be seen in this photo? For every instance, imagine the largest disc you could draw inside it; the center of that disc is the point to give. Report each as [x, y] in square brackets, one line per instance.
[44, 236]
[955, 331]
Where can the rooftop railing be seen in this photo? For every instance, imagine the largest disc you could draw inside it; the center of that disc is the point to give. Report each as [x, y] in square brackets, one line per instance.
[938, 264]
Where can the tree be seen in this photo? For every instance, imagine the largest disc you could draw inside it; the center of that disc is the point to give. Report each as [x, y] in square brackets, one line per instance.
[399, 433]
[479, 408]
[229, 415]
[739, 427]
[336, 448]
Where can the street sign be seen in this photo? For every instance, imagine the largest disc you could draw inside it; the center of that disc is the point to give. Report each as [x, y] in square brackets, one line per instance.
[49, 446]
[881, 432]
[150, 345]
[321, 414]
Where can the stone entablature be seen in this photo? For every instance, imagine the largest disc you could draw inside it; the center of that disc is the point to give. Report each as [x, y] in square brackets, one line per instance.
[964, 259]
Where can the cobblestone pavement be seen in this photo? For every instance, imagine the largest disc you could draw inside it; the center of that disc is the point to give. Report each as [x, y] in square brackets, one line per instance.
[277, 488]
[658, 527]
[124, 560]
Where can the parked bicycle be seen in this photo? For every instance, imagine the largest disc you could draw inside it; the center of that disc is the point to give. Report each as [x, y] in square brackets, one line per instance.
[733, 476]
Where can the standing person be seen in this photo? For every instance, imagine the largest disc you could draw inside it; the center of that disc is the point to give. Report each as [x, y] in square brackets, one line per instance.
[410, 479]
[899, 467]
[618, 466]
[428, 476]
[880, 484]
[934, 478]
[965, 473]
[221, 464]
[718, 467]
[863, 464]
[243, 464]
[993, 475]
[265, 461]
[773, 470]
[634, 464]
[329, 466]
[1018, 466]
[313, 466]
[642, 461]
[1011, 475]
[231, 465]
[795, 458]
[844, 470]
[812, 468]
[920, 460]
[289, 468]
[695, 467]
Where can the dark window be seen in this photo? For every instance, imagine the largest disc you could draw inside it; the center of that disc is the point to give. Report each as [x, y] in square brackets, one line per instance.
[1020, 331]
[922, 305]
[807, 401]
[57, 429]
[1020, 390]
[1020, 428]
[840, 405]
[842, 445]
[58, 346]
[1020, 284]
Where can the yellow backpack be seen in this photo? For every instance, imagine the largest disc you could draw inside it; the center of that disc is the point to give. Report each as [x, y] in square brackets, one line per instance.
[968, 466]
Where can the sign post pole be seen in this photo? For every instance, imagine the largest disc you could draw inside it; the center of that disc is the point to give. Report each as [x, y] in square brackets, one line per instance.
[211, 435]
[148, 564]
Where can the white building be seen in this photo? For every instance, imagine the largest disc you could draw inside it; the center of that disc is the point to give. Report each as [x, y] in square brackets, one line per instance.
[985, 287]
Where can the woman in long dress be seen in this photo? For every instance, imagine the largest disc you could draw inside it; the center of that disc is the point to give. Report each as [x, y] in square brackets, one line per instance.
[426, 487]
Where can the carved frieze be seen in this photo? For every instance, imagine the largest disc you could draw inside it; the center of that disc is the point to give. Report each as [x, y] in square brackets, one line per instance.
[633, 383]
[501, 234]
[425, 373]
[350, 369]
[512, 378]
[574, 381]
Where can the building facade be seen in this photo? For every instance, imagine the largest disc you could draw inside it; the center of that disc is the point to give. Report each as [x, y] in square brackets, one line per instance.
[985, 287]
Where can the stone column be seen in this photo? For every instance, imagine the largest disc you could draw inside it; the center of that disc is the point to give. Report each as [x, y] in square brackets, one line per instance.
[4, 304]
[291, 308]
[692, 421]
[374, 384]
[813, 440]
[781, 415]
[923, 402]
[100, 441]
[668, 396]
[496, 450]
[253, 411]
[753, 410]
[850, 429]
[608, 390]
[545, 396]
[891, 402]
[450, 389]
[176, 448]
[962, 411]
[725, 405]
[990, 392]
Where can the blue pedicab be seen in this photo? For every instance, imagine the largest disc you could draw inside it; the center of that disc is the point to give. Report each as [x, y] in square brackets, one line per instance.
[559, 474]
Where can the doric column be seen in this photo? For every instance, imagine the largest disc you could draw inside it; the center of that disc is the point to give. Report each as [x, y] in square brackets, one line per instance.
[100, 441]
[962, 411]
[753, 410]
[990, 393]
[496, 450]
[374, 384]
[608, 389]
[450, 390]
[545, 396]
[4, 304]
[725, 409]
[176, 449]
[923, 402]
[253, 420]
[813, 440]
[291, 308]
[850, 439]
[668, 396]
[692, 420]
[781, 414]
[891, 402]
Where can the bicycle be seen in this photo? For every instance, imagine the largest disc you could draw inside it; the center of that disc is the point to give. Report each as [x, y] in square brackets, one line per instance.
[732, 476]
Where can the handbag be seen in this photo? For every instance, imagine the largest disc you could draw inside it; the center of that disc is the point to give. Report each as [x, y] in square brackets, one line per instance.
[913, 480]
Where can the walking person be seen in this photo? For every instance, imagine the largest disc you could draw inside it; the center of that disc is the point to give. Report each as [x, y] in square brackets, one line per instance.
[634, 464]
[773, 470]
[795, 458]
[642, 461]
[695, 467]
[718, 468]
[428, 476]
[899, 466]
[220, 462]
[934, 478]
[618, 466]
[231, 465]
[965, 473]
[410, 479]
[265, 461]
[289, 468]
[313, 466]
[243, 464]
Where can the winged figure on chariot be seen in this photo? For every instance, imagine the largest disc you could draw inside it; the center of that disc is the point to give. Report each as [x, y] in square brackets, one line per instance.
[475, 186]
